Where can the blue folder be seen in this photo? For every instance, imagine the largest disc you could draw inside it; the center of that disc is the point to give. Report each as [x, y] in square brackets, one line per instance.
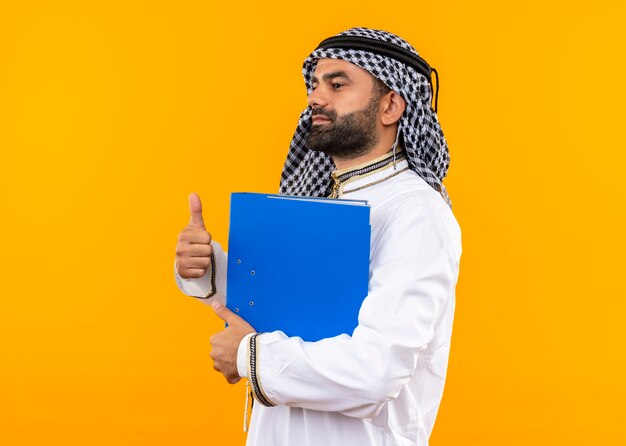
[298, 264]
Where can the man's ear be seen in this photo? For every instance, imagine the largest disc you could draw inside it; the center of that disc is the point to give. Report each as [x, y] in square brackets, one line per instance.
[393, 107]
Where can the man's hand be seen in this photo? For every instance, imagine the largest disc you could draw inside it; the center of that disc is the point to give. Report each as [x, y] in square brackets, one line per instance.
[193, 250]
[226, 343]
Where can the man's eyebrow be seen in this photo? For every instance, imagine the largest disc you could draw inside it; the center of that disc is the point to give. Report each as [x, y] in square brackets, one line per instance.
[330, 76]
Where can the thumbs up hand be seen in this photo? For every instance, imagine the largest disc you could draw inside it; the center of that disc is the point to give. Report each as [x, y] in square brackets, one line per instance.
[193, 250]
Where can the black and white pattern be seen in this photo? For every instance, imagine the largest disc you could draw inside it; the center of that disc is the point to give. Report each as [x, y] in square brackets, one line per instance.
[309, 173]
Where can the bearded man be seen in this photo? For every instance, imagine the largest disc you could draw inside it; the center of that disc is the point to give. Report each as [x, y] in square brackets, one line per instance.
[369, 133]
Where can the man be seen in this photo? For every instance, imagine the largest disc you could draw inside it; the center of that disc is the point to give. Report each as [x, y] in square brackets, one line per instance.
[368, 133]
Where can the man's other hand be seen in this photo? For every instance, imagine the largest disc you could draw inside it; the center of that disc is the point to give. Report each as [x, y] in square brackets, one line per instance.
[225, 344]
[193, 250]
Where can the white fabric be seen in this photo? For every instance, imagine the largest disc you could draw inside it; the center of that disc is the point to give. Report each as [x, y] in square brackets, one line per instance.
[243, 356]
[383, 384]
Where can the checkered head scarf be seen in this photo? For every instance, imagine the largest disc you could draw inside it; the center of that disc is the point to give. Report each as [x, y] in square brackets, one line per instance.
[308, 172]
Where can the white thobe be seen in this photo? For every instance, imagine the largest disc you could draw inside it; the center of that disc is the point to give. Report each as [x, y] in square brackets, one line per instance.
[382, 385]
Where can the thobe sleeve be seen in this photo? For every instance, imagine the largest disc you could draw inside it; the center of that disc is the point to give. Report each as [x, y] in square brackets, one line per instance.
[413, 271]
[203, 286]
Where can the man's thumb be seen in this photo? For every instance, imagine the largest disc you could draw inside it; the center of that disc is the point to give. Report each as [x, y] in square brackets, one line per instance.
[224, 313]
[195, 209]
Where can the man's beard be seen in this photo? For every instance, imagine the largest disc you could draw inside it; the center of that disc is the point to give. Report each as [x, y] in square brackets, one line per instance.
[347, 136]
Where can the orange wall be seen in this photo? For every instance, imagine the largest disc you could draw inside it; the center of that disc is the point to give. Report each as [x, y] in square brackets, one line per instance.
[112, 112]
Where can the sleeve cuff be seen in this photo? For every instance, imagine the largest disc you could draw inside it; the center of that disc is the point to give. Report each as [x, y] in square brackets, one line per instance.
[243, 355]
[253, 373]
[203, 287]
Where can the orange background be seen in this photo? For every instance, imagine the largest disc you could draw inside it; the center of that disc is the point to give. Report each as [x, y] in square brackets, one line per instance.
[112, 112]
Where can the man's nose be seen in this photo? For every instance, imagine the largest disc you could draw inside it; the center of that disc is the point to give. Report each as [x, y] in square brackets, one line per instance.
[317, 98]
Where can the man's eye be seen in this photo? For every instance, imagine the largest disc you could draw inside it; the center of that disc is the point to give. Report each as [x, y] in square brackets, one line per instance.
[337, 85]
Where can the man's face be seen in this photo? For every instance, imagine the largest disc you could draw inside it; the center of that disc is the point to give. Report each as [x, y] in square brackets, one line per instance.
[345, 110]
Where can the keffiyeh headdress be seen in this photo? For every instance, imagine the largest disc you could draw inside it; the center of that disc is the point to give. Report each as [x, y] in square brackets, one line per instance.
[396, 63]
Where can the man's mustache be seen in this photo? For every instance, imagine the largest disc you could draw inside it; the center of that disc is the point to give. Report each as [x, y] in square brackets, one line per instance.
[330, 114]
